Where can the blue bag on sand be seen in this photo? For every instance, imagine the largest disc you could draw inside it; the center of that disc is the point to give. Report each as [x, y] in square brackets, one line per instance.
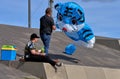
[70, 49]
[8, 52]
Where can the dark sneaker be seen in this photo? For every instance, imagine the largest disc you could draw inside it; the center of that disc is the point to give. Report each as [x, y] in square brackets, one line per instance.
[55, 68]
[21, 59]
[59, 64]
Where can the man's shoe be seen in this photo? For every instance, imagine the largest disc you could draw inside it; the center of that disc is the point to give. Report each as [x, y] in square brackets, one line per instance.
[55, 68]
[59, 64]
[21, 59]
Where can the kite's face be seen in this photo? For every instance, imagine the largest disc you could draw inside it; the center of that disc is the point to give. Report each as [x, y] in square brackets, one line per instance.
[70, 19]
[69, 16]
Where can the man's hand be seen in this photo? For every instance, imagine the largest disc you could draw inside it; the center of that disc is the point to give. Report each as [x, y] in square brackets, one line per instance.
[39, 51]
[54, 27]
[43, 54]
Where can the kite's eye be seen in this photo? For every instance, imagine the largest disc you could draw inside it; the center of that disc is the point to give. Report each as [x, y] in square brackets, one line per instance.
[74, 22]
[60, 17]
[56, 6]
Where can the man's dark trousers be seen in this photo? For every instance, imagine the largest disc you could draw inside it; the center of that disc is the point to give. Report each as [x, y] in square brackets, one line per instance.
[46, 41]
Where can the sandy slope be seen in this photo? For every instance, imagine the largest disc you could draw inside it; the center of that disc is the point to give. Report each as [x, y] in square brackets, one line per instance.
[100, 55]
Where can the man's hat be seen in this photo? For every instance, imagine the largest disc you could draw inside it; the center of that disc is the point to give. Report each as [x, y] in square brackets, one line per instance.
[34, 35]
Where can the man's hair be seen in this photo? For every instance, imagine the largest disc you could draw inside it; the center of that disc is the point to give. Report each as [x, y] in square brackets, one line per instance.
[33, 36]
[48, 11]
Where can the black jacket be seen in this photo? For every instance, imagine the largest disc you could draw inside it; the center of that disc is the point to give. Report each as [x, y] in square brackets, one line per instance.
[46, 24]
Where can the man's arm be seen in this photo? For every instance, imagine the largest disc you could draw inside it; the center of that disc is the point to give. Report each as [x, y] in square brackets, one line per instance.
[34, 52]
[53, 24]
[54, 27]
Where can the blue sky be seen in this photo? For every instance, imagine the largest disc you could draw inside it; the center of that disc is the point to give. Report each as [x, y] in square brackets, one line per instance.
[102, 15]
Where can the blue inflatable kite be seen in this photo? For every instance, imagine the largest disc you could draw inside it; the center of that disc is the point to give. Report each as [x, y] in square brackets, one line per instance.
[71, 20]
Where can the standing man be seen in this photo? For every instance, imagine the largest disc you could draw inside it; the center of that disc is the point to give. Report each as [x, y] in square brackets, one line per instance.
[46, 27]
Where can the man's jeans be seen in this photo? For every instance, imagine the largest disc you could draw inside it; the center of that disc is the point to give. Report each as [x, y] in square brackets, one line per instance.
[46, 41]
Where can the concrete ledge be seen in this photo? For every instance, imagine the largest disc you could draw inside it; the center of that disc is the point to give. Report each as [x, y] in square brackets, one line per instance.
[33, 68]
[94, 73]
[85, 72]
[51, 74]
[46, 71]
[75, 72]
[112, 73]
